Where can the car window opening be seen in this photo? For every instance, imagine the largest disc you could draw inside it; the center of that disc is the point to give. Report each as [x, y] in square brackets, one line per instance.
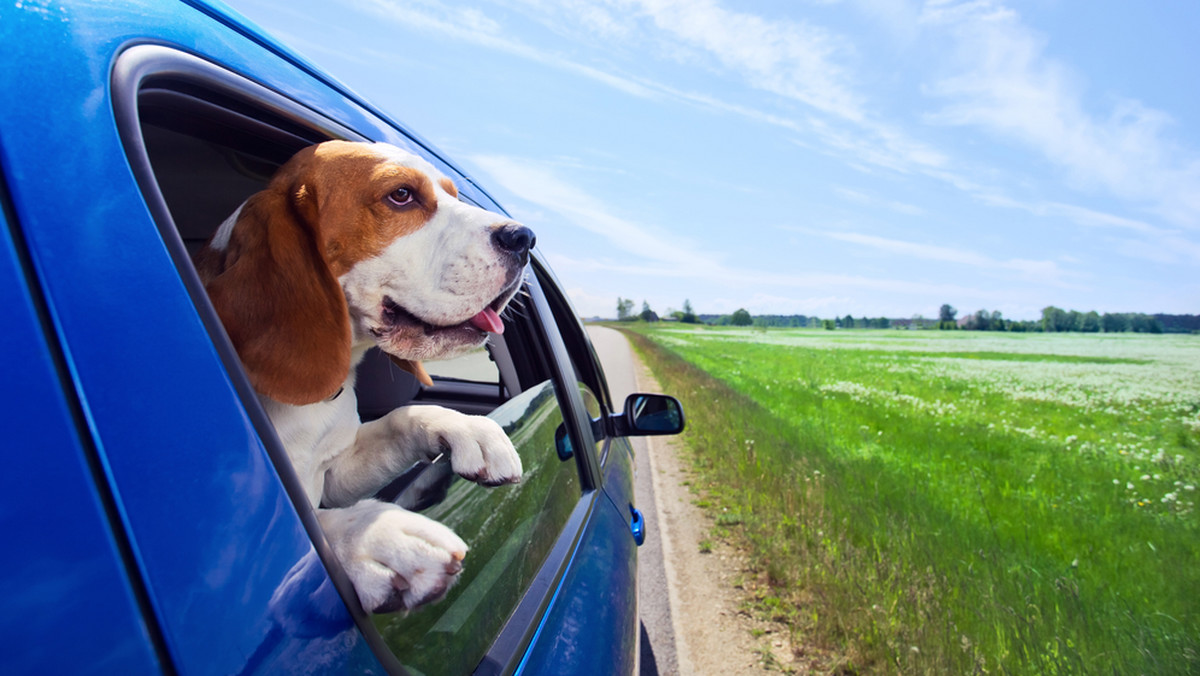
[208, 152]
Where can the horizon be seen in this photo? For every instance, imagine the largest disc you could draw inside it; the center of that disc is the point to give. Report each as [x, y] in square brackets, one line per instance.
[821, 157]
[959, 315]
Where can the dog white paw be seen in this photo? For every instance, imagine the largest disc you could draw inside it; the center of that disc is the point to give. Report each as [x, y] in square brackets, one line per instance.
[479, 450]
[396, 559]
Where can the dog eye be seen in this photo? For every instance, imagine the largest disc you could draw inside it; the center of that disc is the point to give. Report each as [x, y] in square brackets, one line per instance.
[400, 197]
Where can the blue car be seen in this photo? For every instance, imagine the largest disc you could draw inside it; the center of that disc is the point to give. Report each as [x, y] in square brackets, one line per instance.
[151, 521]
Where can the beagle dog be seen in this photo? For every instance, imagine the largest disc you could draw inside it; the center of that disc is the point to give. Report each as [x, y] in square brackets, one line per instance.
[350, 246]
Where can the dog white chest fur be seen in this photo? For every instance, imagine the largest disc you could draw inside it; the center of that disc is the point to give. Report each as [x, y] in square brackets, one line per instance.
[351, 246]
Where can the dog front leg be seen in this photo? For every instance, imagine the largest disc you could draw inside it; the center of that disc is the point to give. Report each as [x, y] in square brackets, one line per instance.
[478, 449]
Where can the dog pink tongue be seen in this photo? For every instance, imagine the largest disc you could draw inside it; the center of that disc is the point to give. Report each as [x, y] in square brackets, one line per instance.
[488, 321]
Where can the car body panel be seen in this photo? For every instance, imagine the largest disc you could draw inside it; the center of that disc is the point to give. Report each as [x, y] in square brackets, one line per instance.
[595, 616]
[60, 549]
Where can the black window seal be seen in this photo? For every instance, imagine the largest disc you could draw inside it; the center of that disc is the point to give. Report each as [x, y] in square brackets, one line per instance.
[145, 64]
[584, 359]
[578, 345]
[562, 372]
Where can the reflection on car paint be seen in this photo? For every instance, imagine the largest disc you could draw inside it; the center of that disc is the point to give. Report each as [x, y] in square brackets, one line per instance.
[509, 529]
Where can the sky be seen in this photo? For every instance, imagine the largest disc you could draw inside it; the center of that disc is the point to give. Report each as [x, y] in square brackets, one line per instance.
[817, 157]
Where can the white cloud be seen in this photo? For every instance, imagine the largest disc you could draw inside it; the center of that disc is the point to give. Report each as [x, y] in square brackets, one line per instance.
[475, 27]
[1003, 81]
[789, 58]
[1041, 271]
[536, 182]
[648, 252]
[1000, 80]
[871, 200]
[801, 62]
[590, 304]
[785, 58]
[1157, 244]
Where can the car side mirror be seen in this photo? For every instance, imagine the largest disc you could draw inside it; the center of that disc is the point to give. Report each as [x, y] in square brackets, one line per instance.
[649, 415]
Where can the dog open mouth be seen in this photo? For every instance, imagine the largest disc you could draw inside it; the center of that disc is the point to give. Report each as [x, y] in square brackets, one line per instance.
[485, 321]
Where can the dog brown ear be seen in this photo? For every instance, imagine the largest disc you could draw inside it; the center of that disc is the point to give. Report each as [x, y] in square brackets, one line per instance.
[279, 301]
[414, 367]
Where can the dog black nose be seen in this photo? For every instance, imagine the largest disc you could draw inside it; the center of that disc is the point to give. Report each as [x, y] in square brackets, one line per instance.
[513, 238]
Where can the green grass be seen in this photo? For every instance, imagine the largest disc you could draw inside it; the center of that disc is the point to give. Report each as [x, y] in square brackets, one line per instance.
[944, 502]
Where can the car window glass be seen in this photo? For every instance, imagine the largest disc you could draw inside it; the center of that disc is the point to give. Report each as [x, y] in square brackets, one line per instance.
[509, 529]
[590, 402]
[475, 366]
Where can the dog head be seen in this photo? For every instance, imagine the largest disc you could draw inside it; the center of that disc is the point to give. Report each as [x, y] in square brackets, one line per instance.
[355, 243]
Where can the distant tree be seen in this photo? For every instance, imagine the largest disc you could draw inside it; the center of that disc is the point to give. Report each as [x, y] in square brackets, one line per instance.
[1074, 320]
[1138, 323]
[946, 314]
[1143, 323]
[1179, 323]
[1114, 322]
[829, 324]
[647, 314]
[624, 309]
[998, 321]
[980, 321]
[689, 315]
[848, 322]
[1090, 322]
[741, 318]
[1055, 319]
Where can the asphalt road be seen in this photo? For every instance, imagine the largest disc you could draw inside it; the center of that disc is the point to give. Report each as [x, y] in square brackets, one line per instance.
[658, 655]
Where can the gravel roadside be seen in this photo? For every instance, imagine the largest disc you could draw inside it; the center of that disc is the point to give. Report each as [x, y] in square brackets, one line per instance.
[691, 600]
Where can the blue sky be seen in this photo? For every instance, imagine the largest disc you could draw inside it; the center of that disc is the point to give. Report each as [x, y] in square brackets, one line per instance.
[821, 157]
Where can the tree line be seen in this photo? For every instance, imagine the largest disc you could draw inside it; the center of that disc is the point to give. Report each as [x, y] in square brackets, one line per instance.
[1053, 320]
[1058, 320]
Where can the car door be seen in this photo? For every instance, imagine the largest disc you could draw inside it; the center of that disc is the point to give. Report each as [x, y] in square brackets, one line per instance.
[164, 119]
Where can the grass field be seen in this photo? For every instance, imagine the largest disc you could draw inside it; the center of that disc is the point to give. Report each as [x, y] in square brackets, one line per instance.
[954, 502]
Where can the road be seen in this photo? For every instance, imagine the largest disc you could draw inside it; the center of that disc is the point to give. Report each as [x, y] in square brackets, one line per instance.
[692, 598]
[658, 635]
